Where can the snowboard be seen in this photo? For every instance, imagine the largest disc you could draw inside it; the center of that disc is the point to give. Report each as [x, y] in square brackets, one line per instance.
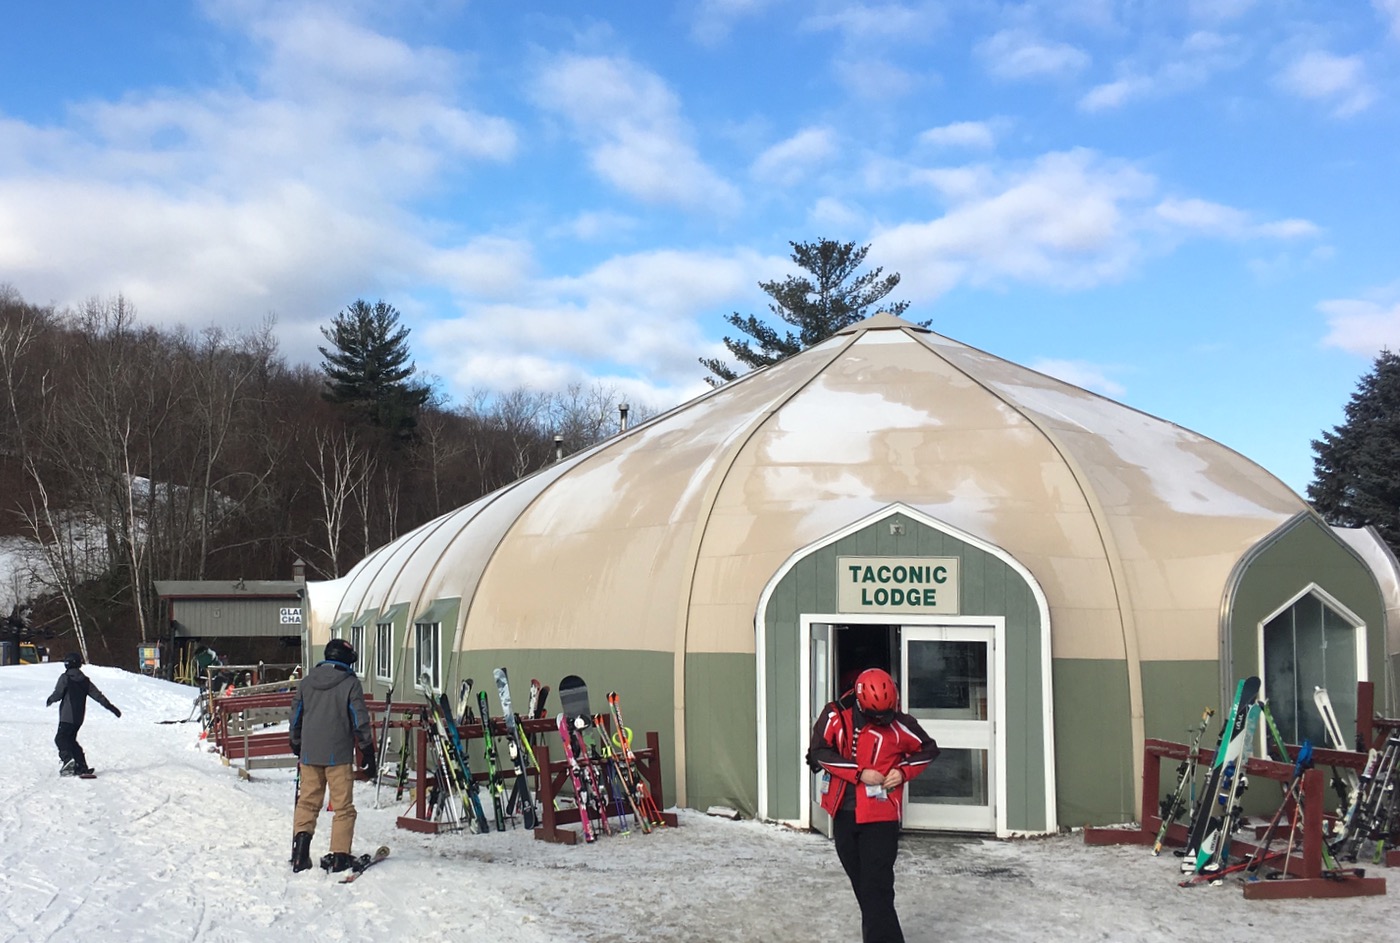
[573, 699]
[364, 863]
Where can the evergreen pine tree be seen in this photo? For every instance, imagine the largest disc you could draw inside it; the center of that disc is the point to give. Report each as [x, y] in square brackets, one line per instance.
[1356, 466]
[369, 369]
[818, 307]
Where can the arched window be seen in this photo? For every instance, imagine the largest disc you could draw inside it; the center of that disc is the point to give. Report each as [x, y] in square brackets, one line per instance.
[1312, 643]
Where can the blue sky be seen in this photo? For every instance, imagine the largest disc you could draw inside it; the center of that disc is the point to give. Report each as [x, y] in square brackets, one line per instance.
[1186, 205]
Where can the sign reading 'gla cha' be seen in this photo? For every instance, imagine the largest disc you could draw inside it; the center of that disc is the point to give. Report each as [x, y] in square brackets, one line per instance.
[897, 584]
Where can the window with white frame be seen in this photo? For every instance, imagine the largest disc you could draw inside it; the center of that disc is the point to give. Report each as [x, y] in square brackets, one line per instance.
[357, 642]
[428, 643]
[384, 651]
[1311, 645]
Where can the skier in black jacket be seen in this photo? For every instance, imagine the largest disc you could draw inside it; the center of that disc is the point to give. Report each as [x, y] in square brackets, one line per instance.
[73, 689]
[329, 719]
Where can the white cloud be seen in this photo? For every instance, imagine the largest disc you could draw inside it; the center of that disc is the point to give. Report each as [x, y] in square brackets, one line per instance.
[1069, 219]
[835, 215]
[1166, 68]
[874, 79]
[1216, 219]
[1018, 54]
[632, 125]
[1082, 374]
[597, 224]
[972, 134]
[1361, 327]
[488, 266]
[1389, 11]
[713, 19]
[634, 314]
[1115, 94]
[226, 205]
[1218, 11]
[863, 23]
[1338, 81]
[788, 161]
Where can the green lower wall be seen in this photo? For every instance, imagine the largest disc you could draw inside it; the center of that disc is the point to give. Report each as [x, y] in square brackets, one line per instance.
[1093, 742]
[721, 732]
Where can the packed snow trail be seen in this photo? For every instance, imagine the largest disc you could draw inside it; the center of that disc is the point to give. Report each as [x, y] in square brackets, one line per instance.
[168, 844]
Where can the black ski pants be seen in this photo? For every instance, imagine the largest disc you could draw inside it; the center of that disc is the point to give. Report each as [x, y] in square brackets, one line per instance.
[867, 852]
[67, 742]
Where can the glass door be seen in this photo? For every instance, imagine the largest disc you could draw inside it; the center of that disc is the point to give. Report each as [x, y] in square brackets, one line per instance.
[947, 687]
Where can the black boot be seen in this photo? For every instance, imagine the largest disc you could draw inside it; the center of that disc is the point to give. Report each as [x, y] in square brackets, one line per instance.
[301, 851]
[342, 862]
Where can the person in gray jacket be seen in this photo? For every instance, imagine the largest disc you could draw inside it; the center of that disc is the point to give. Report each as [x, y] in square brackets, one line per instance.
[73, 690]
[329, 719]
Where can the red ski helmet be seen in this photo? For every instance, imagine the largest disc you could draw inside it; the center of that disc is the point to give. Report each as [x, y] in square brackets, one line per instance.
[876, 692]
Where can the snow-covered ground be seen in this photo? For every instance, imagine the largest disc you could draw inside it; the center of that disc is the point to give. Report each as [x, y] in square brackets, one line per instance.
[169, 844]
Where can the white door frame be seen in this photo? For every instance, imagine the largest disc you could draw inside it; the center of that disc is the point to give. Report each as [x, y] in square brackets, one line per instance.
[1358, 654]
[822, 633]
[998, 694]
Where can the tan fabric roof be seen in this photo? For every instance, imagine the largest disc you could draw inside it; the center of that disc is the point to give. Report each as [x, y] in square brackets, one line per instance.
[664, 537]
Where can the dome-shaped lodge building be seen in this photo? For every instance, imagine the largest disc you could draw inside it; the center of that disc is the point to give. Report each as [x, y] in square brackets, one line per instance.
[1050, 575]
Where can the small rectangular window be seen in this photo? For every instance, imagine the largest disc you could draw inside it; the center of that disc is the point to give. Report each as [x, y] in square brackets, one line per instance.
[357, 642]
[429, 640]
[384, 651]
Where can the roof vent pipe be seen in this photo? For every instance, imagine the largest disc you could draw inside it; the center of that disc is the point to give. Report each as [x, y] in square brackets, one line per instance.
[622, 411]
[558, 448]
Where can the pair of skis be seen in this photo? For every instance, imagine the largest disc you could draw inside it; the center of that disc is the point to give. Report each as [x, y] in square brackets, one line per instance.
[1218, 813]
[1372, 814]
[518, 748]
[1292, 799]
[462, 799]
[602, 771]
[1183, 797]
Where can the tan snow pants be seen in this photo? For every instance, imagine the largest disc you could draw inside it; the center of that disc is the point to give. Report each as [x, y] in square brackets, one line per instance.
[314, 781]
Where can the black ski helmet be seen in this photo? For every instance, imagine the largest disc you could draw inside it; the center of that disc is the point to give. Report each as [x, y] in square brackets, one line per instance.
[72, 660]
[337, 649]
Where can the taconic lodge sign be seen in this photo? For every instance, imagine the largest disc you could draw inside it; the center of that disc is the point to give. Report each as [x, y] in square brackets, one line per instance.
[897, 584]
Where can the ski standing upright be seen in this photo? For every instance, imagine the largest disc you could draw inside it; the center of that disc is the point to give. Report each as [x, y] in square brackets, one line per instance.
[520, 798]
[1229, 751]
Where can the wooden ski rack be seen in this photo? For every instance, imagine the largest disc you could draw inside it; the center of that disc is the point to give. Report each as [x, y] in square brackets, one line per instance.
[1306, 874]
[420, 820]
[238, 723]
[555, 775]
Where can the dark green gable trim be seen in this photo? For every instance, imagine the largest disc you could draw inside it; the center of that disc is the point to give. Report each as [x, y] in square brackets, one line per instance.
[1301, 553]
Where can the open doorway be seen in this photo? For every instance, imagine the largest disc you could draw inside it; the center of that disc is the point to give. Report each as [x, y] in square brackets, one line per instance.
[858, 647]
[946, 672]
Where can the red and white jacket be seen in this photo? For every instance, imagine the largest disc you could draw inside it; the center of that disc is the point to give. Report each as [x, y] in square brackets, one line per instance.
[901, 744]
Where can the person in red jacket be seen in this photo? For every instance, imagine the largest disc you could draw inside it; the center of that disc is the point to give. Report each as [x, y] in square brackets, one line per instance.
[869, 749]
